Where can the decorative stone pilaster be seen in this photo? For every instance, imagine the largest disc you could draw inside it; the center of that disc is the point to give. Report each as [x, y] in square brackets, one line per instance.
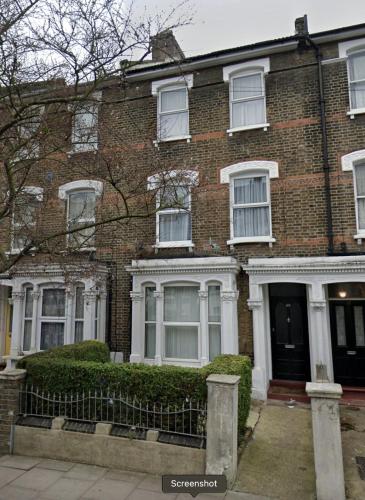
[260, 376]
[137, 327]
[204, 330]
[90, 297]
[16, 334]
[10, 384]
[229, 322]
[158, 294]
[102, 315]
[70, 294]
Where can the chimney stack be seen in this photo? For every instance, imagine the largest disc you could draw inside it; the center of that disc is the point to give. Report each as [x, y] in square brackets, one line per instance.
[301, 26]
[165, 47]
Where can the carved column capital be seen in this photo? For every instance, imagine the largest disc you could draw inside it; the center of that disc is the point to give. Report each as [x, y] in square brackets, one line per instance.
[17, 296]
[136, 296]
[203, 295]
[318, 305]
[158, 295]
[229, 295]
[254, 304]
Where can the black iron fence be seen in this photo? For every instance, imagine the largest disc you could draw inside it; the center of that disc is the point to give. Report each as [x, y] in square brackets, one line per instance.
[106, 406]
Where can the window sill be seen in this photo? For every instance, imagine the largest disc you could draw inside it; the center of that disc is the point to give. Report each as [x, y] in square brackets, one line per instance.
[186, 138]
[257, 239]
[231, 131]
[17, 251]
[76, 152]
[353, 112]
[174, 244]
[83, 249]
[359, 237]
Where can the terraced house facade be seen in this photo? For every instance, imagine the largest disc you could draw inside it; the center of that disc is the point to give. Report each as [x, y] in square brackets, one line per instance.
[262, 250]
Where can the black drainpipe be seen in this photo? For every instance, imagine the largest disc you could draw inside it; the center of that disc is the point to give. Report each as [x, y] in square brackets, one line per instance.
[305, 37]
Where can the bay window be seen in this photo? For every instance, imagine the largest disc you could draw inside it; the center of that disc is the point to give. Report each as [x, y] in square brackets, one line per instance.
[79, 314]
[53, 317]
[181, 321]
[214, 320]
[150, 322]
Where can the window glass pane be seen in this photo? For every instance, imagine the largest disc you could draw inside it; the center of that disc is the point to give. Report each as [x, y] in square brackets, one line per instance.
[357, 95]
[247, 86]
[340, 323]
[214, 303]
[150, 340]
[25, 209]
[79, 331]
[361, 212]
[357, 66]
[359, 326]
[84, 237]
[346, 290]
[181, 342]
[360, 179]
[28, 313]
[251, 222]
[79, 305]
[174, 125]
[181, 304]
[175, 227]
[53, 302]
[51, 335]
[248, 113]
[82, 205]
[174, 197]
[173, 100]
[250, 190]
[27, 334]
[150, 304]
[85, 123]
[214, 341]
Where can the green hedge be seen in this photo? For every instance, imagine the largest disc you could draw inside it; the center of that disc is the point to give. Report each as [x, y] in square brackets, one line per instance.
[165, 384]
[89, 350]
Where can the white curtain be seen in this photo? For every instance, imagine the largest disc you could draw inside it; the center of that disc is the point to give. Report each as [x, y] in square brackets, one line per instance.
[51, 335]
[181, 304]
[214, 341]
[251, 222]
[247, 86]
[181, 342]
[85, 124]
[248, 113]
[214, 303]
[360, 191]
[250, 190]
[175, 226]
[28, 311]
[150, 304]
[27, 334]
[173, 100]
[53, 302]
[174, 124]
[357, 72]
[150, 340]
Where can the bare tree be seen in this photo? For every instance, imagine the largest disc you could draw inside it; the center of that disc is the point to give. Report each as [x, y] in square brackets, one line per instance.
[56, 57]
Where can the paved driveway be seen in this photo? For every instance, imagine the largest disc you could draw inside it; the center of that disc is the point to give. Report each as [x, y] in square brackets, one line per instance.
[26, 478]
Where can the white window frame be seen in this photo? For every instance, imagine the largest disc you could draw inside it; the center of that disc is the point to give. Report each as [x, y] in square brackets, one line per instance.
[190, 179]
[348, 164]
[27, 318]
[268, 169]
[168, 85]
[175, 323]
[64, 192]
[37, 193]
[89, 146]
[253, 67]
[346, 50]
[22, 153]
[51, 319]
[81, 220]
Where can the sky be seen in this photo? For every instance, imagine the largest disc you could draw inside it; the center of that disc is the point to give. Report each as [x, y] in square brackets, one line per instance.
[221, 24]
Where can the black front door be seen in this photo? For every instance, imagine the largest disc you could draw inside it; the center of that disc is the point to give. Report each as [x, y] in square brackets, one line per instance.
[289, 331]
[348, 341]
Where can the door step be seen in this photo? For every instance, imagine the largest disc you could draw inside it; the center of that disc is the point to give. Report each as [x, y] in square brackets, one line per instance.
[288, 390]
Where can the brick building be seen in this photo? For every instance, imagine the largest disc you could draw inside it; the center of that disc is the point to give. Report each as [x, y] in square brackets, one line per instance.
[262, 250]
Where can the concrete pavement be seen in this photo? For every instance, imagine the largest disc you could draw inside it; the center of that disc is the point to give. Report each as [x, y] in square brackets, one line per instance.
[27, 478]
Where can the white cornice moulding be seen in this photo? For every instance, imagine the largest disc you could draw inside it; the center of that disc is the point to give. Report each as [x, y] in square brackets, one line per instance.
[249, 166]
[63, 190]
[154, 181]
[176, 80]
[344, 48]
[262, 64]
[348, 161]
[184, 266]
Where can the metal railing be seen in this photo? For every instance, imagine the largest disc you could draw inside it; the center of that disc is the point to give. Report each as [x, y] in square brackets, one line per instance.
[106, 406]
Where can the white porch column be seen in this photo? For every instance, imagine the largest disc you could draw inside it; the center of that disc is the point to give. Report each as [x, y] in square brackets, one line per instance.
[260, 375]
[159, 319]
[137, 353]
[33, 339]
[102, 316]
[319, 331]
[69, 338]
[89, 308]
[16, 334]
[229, 322]
[204, 332]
